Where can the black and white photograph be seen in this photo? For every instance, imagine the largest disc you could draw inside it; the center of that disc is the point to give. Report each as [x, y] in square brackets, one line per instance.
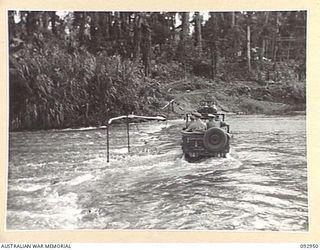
[157, 120]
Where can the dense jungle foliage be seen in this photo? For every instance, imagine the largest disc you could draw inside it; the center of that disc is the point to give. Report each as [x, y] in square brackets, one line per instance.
[78, 68]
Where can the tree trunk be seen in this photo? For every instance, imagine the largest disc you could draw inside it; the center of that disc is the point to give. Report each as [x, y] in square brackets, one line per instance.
[82, 22]
[248, 48]
[137, 36]
[212, 62]
[173, 26]
[96, 29]
[233, 19]
[146, 49]
[23, 22]
[106, 25]
[117, 25]
[215, 55]
[53, 22]
[12, 26]
[185, 26]
[263, 41]
[30, 25]
[93, 26]
[44, 21]
[183, 37]
[235, 36]
[198, 32]
[289, 48]
[248, 42]
[274, 43]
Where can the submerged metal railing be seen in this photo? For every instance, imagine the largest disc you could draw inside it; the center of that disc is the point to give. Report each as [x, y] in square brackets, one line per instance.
[128, 117]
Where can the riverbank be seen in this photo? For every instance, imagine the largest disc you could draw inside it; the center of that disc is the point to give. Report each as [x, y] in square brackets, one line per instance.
[240, 97]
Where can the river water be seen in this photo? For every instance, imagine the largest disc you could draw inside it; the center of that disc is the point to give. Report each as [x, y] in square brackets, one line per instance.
[60, 179]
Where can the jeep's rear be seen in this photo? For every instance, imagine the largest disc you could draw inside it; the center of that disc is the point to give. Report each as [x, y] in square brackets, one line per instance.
[213, 142]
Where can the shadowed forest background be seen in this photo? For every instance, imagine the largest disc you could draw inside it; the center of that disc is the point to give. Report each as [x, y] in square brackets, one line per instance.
[71, 69]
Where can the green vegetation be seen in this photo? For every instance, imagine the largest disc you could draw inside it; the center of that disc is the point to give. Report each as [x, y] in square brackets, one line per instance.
[79, 68]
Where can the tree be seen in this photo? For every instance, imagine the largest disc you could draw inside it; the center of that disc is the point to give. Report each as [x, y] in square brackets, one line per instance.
[184, 34]
[198, 36]
[67, 68]
[213, 38]
[11, 24]
[184, 26]
[79, 23]
[249, 20]
[53, 18]
[172, 25]
[146, 46]
[263, 34]
[137, 36]
[233, 19]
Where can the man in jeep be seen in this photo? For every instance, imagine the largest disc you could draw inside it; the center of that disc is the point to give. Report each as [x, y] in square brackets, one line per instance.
[215, 122]
[197, 125]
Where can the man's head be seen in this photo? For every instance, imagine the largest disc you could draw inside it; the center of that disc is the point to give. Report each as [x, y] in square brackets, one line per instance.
[211, 116]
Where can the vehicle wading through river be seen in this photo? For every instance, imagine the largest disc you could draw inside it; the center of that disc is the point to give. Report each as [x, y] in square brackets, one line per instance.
[211, 142]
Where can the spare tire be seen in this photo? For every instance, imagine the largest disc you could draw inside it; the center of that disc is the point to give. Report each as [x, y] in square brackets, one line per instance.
[215, 139]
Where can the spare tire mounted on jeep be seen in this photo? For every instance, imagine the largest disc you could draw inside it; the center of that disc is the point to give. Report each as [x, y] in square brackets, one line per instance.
[215, 139]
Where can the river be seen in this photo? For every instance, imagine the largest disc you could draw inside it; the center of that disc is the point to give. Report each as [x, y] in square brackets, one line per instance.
[60, 179]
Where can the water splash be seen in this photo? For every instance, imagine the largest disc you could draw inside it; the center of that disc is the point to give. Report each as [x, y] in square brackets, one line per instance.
[61, 180]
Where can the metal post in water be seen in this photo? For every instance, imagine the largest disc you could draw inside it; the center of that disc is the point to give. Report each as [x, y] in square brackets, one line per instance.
[187, 120]
[107, 140]
[128, 133]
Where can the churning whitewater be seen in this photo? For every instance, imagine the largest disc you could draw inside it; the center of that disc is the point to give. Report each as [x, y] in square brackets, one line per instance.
[60, 179]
